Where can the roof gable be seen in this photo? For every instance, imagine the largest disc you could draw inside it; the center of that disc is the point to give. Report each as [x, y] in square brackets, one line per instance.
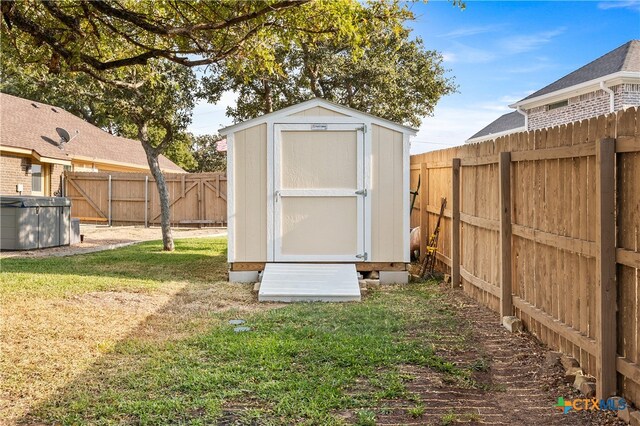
[506, 123]
[623, 58]
[318, 107]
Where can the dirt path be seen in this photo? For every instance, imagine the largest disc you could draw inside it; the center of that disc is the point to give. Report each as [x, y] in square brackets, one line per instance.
[97, 238]
[517, 386]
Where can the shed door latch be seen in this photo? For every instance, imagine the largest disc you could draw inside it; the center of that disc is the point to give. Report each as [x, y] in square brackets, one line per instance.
[362, 256]
[362, 192]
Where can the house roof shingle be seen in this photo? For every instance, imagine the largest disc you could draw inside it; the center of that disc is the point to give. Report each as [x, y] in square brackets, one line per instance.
[32, 125]
[623, 58]
[510, 121]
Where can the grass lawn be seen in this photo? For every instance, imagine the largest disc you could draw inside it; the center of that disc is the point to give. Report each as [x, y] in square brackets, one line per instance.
[139, 336]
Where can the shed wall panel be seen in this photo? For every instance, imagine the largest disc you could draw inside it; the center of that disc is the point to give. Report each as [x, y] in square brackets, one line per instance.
[386, 195]
[250, 186]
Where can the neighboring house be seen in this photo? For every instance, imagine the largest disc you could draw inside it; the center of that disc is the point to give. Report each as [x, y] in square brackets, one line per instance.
[610, 83]
[221, 145]
[32, 157]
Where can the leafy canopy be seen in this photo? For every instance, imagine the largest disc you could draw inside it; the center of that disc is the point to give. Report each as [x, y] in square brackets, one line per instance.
[392, 75]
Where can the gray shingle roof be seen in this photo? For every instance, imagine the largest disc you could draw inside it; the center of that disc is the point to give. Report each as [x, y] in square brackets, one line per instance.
[32, 125]
[510, 121]
[624, 58]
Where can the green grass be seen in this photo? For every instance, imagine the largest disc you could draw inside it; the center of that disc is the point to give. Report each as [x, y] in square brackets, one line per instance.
[296, 365]
[139, 267]
[300, 364]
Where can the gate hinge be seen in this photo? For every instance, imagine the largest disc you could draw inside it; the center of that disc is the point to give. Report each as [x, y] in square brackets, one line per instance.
[362, 192]
[363, 256]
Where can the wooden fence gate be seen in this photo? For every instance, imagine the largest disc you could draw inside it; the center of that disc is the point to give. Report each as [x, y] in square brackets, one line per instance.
[545, 225]
[196, 199]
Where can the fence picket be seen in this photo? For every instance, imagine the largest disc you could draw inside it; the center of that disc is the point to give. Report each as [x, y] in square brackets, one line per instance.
[564, 275]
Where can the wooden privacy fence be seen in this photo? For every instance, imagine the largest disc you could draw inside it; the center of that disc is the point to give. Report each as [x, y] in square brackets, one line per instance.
[545, 225]
[197, 199]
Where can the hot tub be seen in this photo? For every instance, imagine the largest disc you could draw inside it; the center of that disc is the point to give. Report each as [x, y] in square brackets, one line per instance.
[28, 222]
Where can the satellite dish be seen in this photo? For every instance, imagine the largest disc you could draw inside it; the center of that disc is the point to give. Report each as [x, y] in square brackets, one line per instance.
[65, 137]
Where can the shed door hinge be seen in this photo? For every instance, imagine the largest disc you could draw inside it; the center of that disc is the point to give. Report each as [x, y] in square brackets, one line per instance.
[363, 256]
[362, 192]
[363, 129]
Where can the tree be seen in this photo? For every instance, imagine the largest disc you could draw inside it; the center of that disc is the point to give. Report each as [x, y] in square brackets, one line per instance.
[207, 157]
[128, 45]
[393, 76]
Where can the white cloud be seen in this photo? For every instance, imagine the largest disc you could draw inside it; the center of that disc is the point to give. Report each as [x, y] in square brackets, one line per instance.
[451, 126]
[529, 42]
[449, 57]
[540, 63]
[469, 31]
[209, 118]
[630, 4]
[467, 54]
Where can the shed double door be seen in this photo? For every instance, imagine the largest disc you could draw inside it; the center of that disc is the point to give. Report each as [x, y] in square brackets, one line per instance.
[319, 192]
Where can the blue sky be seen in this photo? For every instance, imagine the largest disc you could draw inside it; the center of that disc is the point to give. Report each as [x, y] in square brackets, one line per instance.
[498, 52]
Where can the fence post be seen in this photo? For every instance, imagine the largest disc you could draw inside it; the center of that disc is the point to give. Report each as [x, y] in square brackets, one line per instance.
[606, 297]
[146, 201]
[506, 290]
[455, 219]
[424, 214]
[109, 191]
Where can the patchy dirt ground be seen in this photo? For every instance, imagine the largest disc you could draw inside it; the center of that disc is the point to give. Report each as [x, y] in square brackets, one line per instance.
[46, 344]
[517, 386]
[98, 238]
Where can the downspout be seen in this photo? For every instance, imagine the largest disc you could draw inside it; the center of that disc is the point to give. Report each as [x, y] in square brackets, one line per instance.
[526, 118]
[611, 95]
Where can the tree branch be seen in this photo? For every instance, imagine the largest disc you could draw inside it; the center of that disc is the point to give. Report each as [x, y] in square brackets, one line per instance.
[140, 21]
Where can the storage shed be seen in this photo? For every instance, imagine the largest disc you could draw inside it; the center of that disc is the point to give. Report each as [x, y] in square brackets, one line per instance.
[318, 183]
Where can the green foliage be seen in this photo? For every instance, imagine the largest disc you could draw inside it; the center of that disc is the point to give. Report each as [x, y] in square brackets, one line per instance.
[180, 152]
[390, 75]
[93, 37]
[205, 154]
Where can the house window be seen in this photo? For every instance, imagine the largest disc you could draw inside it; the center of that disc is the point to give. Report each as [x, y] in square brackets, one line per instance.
[558, 105]
[36, 179]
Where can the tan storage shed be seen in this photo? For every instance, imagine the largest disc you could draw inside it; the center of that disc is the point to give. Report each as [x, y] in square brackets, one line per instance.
[318, 183]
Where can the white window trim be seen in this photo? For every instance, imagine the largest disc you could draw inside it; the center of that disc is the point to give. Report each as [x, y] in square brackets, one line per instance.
[42, 180]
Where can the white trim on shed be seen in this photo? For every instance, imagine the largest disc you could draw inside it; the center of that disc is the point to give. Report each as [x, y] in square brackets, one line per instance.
[388, 166]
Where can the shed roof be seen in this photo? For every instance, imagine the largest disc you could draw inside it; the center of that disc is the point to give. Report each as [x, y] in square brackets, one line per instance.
[32, 125]
[351, 112]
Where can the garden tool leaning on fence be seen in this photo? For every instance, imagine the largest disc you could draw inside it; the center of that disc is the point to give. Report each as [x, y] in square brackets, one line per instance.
[414, 195]
[429, 261]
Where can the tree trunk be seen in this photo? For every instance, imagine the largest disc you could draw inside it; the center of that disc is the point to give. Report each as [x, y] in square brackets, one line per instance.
[268, 96]
[312, 72]
[161, 184]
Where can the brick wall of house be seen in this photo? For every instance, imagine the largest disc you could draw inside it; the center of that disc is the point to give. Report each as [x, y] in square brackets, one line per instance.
[14, 171]
[627, 95]
[584, 106]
